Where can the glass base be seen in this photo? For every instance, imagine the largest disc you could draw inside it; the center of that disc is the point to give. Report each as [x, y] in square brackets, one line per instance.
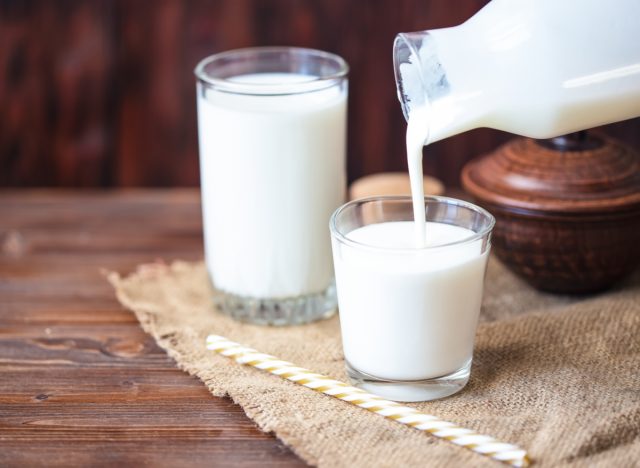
[280, 311]
[411, 390]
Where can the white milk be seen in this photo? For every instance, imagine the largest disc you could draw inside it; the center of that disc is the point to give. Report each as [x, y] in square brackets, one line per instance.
[407, 314]
[272, 172]
[417, 133]
[539, 68]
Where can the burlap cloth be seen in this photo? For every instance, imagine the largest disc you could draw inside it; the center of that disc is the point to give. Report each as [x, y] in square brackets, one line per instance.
[556, 375]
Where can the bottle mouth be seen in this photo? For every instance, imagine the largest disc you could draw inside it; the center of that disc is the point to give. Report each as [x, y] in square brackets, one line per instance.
[409, 71]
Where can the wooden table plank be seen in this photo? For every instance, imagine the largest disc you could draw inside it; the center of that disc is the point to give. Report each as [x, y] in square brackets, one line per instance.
[80, 383]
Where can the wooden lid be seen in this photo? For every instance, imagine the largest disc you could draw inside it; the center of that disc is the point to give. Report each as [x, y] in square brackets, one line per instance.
[391, 183]
[598, 175]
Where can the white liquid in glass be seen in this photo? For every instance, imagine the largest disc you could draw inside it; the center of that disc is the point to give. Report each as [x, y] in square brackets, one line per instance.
[272, 172]
[409, 314]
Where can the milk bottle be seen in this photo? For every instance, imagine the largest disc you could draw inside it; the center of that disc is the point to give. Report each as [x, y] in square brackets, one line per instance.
[538, 68]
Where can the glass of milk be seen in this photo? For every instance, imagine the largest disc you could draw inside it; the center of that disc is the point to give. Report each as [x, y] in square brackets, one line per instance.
[408, 314]
[272, 136]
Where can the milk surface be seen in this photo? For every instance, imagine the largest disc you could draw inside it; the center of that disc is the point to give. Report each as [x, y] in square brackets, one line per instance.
[409, 314]
[272, 172]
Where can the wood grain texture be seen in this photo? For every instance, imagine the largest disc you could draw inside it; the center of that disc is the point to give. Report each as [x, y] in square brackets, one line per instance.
[100, 93]
[80, 383]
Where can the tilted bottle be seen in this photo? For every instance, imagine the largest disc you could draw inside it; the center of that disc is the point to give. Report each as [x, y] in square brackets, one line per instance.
[538, 68]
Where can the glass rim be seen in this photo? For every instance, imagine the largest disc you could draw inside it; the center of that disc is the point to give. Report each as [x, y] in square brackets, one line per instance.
[404, 250]
[270, 89]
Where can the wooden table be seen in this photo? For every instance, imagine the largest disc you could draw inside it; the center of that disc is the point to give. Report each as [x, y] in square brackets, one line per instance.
[80, 382]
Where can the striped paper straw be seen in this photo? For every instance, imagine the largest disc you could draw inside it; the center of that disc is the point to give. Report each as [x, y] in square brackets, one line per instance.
[484, 445]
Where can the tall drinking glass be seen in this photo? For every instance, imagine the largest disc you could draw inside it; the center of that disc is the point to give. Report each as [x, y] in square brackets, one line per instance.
[272, 136]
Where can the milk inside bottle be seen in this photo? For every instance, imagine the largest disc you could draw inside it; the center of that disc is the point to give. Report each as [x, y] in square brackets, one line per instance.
[538, 68]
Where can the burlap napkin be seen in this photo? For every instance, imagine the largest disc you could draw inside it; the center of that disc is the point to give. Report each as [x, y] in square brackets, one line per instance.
[556, 375]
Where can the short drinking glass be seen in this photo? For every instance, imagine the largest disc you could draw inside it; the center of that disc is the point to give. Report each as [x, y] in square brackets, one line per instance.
[408, 315]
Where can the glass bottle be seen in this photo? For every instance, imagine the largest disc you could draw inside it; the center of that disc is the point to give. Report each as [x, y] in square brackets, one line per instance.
[538, 68]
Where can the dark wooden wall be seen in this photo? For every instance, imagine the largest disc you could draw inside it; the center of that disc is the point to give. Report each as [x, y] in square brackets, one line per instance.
[101, 92]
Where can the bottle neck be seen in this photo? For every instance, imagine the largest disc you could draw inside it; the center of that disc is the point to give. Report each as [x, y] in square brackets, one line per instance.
[433, 70]
[419, 75]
